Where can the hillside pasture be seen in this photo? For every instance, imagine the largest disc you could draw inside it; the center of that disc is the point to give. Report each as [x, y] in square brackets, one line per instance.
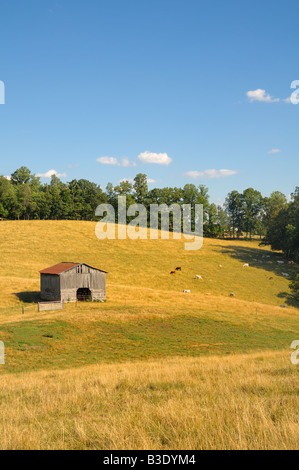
[153, 367]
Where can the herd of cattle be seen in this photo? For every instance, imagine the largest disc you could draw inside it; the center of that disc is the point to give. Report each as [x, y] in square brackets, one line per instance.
[245, 265]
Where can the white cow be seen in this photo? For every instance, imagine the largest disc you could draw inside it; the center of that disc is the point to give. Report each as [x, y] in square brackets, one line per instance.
[197, 276]
[285, 274]
[246, 265]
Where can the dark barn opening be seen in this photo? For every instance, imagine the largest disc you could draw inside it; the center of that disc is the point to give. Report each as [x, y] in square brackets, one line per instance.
[83, 295]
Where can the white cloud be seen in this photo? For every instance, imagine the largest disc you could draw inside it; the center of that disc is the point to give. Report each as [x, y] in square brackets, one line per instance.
[114, 161]
[126, 162]
[107, 160]
[210, 173]
[51, 173]
[158, 158]
[150, 181]
[273, 151]
[8, 177]
[261, 95]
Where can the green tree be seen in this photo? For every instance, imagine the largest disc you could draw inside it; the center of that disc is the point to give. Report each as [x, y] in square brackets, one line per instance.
[294, 286]
[283, 228]
[234, 208]
[21, 176]
[8, 198]
[252, 206]
[212, 228]
[223, 221]
[140, 188]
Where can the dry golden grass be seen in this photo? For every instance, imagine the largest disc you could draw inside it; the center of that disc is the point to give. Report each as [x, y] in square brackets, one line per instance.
[28, 246]
[239, 402]
[152, 396]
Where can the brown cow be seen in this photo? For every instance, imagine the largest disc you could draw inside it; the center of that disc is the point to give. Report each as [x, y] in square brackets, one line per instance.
[178, 268]
[172, 272]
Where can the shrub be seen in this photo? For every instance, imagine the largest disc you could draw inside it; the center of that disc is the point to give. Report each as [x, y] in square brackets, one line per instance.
[295, 286]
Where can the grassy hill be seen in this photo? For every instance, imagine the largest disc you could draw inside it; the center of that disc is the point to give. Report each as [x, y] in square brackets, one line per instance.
[147, 324]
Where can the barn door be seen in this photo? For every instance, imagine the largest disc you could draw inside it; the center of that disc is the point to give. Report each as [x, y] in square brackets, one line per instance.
[83, 294]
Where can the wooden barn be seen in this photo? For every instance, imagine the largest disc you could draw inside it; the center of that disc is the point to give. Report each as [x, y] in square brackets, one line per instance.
[70, 282]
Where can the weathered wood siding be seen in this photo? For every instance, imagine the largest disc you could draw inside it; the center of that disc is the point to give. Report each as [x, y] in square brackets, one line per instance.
[82, 277]
[50, 306]
[50, 287]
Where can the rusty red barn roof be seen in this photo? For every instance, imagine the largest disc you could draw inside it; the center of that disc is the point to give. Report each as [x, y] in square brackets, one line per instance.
[62, 267]
[59, 268]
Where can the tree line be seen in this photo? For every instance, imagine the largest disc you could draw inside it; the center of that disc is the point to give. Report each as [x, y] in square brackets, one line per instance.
[274, 219]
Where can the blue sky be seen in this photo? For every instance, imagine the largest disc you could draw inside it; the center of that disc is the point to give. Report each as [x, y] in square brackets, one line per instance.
[106, 89]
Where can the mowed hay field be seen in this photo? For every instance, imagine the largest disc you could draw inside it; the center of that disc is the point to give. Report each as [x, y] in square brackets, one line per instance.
[152, 368]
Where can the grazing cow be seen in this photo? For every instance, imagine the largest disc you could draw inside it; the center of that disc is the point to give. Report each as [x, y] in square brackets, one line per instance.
[178, 268]
[246, 265]
[197, 276]
[220, 266]
[232, 294]
[285, 274]
[187, 291]
[172, 272]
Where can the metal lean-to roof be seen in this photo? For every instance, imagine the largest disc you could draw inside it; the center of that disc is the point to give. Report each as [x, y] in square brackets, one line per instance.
[62, 267]
[59, 268]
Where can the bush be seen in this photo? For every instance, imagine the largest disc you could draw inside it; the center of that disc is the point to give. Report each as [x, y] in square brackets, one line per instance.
[295, 286]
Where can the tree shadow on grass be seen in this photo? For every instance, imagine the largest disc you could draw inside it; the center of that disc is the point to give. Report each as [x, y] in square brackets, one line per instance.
[289, 299]
[28, 297]
[268, 261]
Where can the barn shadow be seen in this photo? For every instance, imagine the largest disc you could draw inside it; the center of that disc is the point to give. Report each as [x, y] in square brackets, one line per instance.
[266, 260]
[28, 297]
